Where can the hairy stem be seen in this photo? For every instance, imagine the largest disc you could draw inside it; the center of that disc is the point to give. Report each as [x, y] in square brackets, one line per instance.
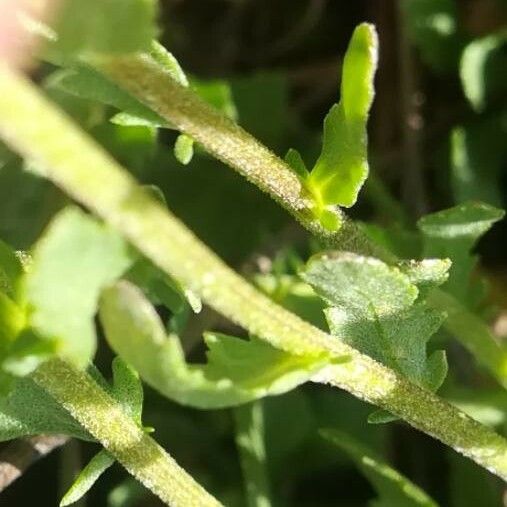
[105, 420]
[249, 421]
[220, 136]
[35, 128]
[227, 141]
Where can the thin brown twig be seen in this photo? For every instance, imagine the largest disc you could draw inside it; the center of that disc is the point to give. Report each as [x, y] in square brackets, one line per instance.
[20, 454]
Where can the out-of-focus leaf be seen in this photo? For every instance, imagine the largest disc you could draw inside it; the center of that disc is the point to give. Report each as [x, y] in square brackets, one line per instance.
[470, 485]
[478, 153]
[10, 269]
[237, 371]
[217, 93]
[375, 308]
[452, 233]
[483, 69]
[86, 83]
[127, 494]
[342, 166]
[433, 27]
[295, 295]
[105, 26]
[393, 489]
[72, 262]
[262, 101]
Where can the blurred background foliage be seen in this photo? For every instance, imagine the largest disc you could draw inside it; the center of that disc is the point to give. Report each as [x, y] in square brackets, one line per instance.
[438, 136]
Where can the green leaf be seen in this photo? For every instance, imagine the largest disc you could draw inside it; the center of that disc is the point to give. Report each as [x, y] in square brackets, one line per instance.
[75, 258]
[393, 489]
[296, 162]
[433, 26]
[29, 410]
[105, 26]
[86, 83]
[478, 153]
[128, 493]
[482, 69]
[342, 166]
[375, 308]
[452, 233]
[237, 370]
[217, 93]
[164, 58]
[184, 149]
[87, 477]
[127, 389]
[10, 269]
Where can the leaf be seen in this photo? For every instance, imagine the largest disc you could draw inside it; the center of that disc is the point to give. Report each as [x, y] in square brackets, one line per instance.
[482, 69]
[164, 58]
[87, 477]
[478, 153]
[237, 371]
[10, 269]
[296, 162]
[342, 166]
[86, 83]
[453, 233]
[105, 26]
[393, 489]
[128, 493]
[127, 389]
[29, 410]
[217, 93]
[184, 149]
[75, 258]
[433, 26]
[375, 308]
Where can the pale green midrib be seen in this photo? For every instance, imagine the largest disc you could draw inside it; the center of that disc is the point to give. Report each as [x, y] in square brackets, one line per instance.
[223, 138]
[105, 420]
[84, 170]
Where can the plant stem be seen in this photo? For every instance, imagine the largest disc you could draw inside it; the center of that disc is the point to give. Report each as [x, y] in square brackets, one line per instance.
[227, 141]
[220, 136]
[31, 125]
[105, 420]
[249, 420]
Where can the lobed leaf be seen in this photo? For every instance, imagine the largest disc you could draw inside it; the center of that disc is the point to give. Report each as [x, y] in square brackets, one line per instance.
[237, 370]
[376, 308]
[342, 166]
[453, 233]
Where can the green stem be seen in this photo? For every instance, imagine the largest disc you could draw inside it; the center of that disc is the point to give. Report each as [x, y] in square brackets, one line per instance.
[220, 136]
[105, 420]
[249, 421]
[227, 141]
[31, 125]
